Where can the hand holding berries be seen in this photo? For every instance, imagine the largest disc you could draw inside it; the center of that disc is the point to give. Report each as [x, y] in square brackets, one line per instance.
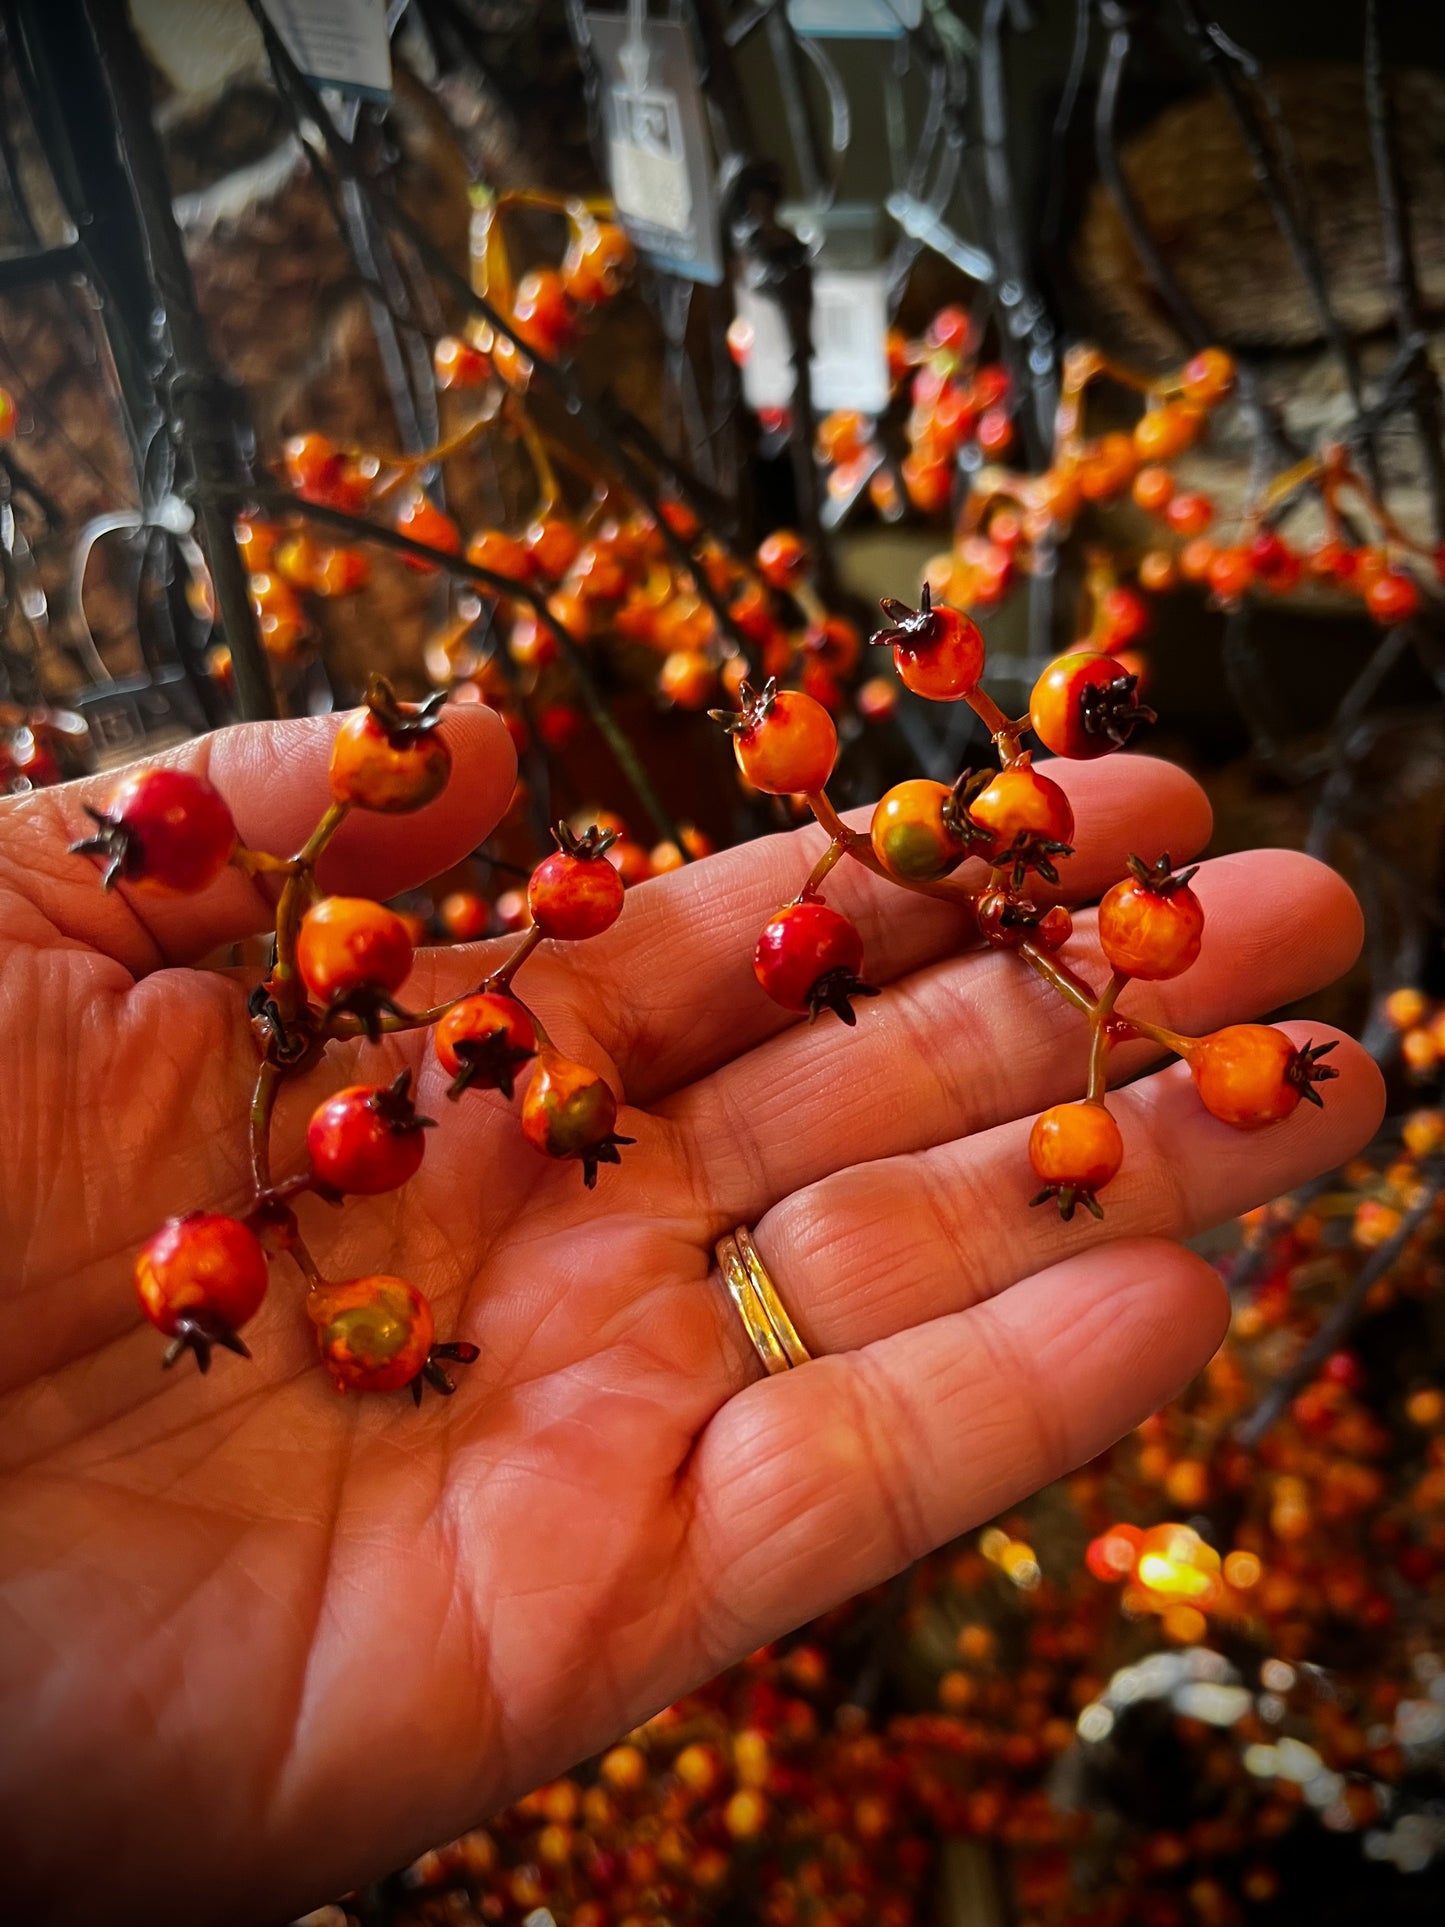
[808, 958]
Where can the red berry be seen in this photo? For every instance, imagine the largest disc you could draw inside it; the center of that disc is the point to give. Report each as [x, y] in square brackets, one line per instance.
[912, 832]
[1027, 818]
[1107, 467]
[348, 944]
[576, 893]
[320, 472]
[1230, 574]
[1085, 705]
[1151, 924]
[938, 651]
[501, 553]
[1392, 597]
[1124, 617]
[464, 916]
[598, 263]
[542, 314]
[1208, 377]
[570, 1112]
[1250, 1075]
[422, 521]
[457, 364]
[389, 756]
[1189, 513]
[808, 958]
[784, 741]
[1075, 1149]
[166, 831]
[553, 544]
[374, 1334]
[483, 1040]
[199, 1279]
[7, 415]
[366, 1139]
[783, 559]
[950, 329]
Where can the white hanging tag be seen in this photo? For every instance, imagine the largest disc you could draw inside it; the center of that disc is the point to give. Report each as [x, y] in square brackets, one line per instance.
[854, 19]
[337, 43]
[659, 157]
[850, 339]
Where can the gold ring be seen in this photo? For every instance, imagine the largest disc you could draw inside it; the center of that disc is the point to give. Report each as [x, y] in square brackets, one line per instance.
[770, 1330]
[787, 1332]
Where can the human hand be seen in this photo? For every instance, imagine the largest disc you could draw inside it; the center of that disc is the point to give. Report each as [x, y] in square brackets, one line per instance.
[262, 1643]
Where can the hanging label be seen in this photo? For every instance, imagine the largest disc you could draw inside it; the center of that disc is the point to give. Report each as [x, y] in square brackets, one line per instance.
[337, 43]
[849, 364]
[854, 19]
[659, 158]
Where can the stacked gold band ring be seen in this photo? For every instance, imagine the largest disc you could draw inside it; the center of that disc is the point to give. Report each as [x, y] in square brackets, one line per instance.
[770, 1331]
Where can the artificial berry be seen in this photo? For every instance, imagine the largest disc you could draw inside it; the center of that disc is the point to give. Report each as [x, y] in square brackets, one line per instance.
[1208, 377]
[1026, 818]
[353, 954]
[1249, 1075]
[1189, 513]
[570, 1112]
[1107, 467]
[484, 1040]
[995, 432]
[366, 1139]
[1153, 489]
[1085, 705]
[1392, 597]
[542, 313]
[1196, 559]
[1158, 572]
[502, 554]
[340, 572]
[687, 679]
[1075, 1149]
[877, 699]
[576, 893]
[1007, 920]
[198, 1280]
[1230, 574]
[914, 832]
[1166, 431]
[1151, 924]
[457, 364]
[1123, 616]
[937, 651]
[808, 958]
[166, 831]
[783, 560]
[463, 916]
[420, 520]
[553, 544]
[784, 741]
[320, 472]
[374, 1334]
[280, 619]
[389, 755]
[928, 482]
[597, 263]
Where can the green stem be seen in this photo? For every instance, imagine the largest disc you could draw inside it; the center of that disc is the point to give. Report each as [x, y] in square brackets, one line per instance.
[502, 979]
[268, 1083]
[293, 904]
[1072, 988]
[1099, 1039]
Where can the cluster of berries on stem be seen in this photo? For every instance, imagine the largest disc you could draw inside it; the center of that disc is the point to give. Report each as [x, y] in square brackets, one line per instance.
[338, 967]
[809, 957]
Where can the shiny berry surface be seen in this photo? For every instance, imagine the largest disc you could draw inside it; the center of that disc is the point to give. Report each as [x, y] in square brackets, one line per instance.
[784, 560]
[1075, 1149]
[785, 741]
[373, 1334]
[457, 364]
[202, 1263]
[938, 651]
[420, 520]
[1025, 811]
[1151, 924]
[1250, 1075]
[165, 831]
[389, 757]
[483, 1041]
[598, 263]
[1083, 705]
[347, 943]
[575, 893]
[808, 958]
[911, 833]
[366, 1139]
[569, 1111]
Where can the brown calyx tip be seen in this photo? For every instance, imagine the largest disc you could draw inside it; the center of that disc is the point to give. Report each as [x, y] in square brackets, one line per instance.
[1305, 1070]
[403, 722]
[1069, 1197]
[489, 1062]
[1030, 851]
[607, 1150]
[395, 1108]
[199, 1332]
[907, 625]
[111, 840]
[835, 991]
[368, 1006]
[592, 843]
[458, 1352]
[753, 705]
[1161, 878]
[955, 810]
[1111, 709]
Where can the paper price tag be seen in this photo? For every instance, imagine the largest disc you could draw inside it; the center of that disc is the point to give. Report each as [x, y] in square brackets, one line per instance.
[659, 157]
[337, 43]
[854, 19]
[849, 364]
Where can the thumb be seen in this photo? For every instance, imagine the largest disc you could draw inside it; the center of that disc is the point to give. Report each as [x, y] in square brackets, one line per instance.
[274, 777]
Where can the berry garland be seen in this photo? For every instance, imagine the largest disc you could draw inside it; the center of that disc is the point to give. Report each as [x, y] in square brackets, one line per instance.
[337, 966]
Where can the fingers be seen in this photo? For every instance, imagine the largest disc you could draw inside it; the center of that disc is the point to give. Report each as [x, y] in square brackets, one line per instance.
[812, 1485]
[975, 1040]
[274, 776]
[670, 990]
[893, 1244]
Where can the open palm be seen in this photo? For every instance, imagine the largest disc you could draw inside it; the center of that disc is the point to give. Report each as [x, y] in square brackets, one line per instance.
[261, 1642]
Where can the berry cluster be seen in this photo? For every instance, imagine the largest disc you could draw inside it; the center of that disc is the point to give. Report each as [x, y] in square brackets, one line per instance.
[809, 956]
[338, 965]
